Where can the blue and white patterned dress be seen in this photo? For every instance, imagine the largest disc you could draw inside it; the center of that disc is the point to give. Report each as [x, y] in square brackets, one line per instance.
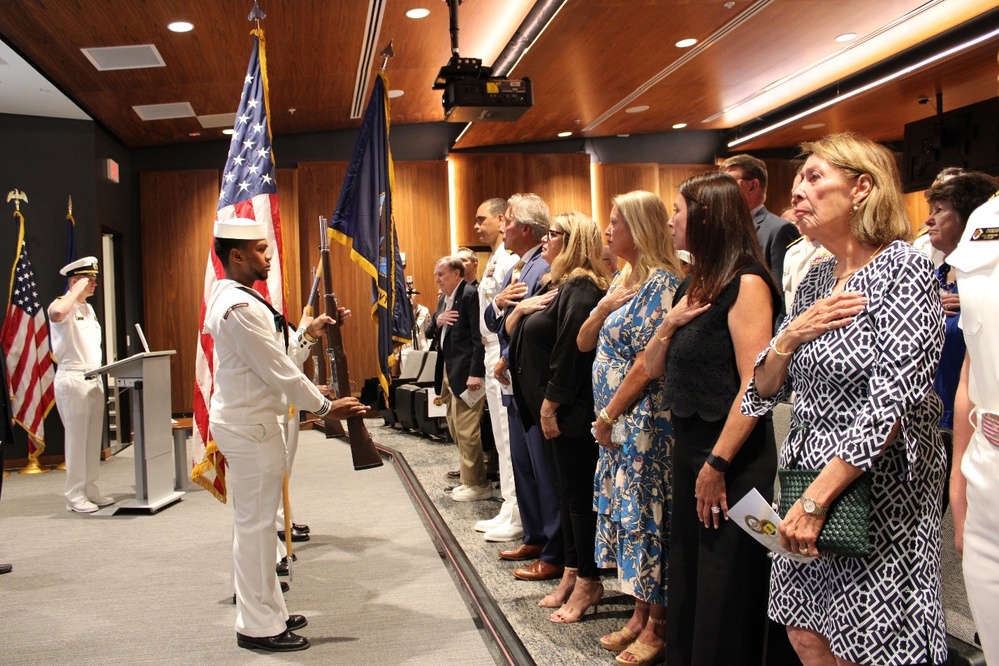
[631, 485]
[853, 386]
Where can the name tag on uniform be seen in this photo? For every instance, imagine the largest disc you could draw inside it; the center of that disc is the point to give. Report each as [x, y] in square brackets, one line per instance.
[985, 234]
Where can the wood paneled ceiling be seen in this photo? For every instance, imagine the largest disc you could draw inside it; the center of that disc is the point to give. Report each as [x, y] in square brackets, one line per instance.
[595, 60]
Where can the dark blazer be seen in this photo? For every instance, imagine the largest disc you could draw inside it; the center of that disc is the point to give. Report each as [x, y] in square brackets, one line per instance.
[775, 234]
[548, 364]
[461, 353]
[531, 275]
[433, 331]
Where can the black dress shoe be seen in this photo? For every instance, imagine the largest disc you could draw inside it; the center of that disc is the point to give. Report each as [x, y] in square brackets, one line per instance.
[284, 588]
[304, 529]
[282, 566]
[296, 537]
[454, 475]
[6, 568]
[296, 622]
[286, 642]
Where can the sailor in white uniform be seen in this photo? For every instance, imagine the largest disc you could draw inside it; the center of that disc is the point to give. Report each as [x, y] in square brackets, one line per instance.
[76, 345]
[974, 485]
[255, 380]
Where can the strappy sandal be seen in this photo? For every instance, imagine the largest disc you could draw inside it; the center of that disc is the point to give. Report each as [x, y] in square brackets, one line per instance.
[619, 640]
[643, 653]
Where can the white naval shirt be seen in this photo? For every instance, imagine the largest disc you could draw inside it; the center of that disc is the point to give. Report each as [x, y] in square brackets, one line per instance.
[499, 264]
[76, 339]
[976, 260]
[255, 378]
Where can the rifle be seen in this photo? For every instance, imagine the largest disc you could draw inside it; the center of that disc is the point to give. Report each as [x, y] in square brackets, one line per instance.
[362, 448]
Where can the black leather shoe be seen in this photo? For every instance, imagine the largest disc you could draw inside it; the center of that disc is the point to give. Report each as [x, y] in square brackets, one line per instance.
[296, 622]
[304, 529]
[6, 568]
[296, 537]
[282, 566]
[454, 475]
[286, 642]
[284, 588]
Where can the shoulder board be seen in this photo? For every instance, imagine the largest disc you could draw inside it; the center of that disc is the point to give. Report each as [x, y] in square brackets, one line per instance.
[234, 307]
[795, 241]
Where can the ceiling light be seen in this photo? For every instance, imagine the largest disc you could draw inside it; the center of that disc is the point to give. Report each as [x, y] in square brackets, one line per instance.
[811, 126]
[562, 135]
[679, 125]
[181, 26]
[874, 84]
[686, 43]
[194, 134]
[846, 37]
[417, 13]
[637, 109]
[392, 94]
[229, 131]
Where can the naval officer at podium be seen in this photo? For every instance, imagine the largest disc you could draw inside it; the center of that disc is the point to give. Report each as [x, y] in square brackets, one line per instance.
[255, 380]
[76, 345]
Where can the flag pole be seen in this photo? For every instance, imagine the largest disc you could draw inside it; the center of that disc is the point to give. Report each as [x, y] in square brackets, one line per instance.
[33, 467]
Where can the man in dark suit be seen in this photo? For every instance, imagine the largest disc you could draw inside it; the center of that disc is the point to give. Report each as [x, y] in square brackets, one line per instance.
[774, 232]
[526, 222]
[459, 375]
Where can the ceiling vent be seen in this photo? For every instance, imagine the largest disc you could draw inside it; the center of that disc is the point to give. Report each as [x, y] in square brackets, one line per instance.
[165, 111]
[372, 28]
[218, 120]
[110, 58]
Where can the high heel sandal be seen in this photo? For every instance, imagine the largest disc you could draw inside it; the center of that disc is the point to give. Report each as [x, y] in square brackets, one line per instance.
[643, 653]
[553, 599]
[619, 640]
[591, 589]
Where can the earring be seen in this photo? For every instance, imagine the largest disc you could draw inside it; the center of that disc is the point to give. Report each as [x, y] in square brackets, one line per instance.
[855, 207]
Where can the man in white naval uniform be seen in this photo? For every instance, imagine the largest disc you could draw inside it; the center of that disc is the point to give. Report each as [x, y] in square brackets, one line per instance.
[254, 381]
[489, 222]
[974, 485]
[76, 345]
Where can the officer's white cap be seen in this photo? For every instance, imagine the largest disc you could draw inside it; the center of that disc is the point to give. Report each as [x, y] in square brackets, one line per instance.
[85, 266]
[240, 228]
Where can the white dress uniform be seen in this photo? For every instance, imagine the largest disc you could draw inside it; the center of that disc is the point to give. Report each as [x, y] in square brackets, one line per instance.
[76, 346]
[500, 263]
[976, 260]
[255, 380]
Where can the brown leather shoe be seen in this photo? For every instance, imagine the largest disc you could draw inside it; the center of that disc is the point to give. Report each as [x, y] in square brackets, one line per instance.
[540, 570]
[524, 551]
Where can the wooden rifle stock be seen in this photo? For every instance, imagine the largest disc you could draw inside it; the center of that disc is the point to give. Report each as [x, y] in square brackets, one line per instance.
[362, 448]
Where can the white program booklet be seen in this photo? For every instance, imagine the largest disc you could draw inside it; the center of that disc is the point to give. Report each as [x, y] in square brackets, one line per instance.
[471, 397]
[754, 514]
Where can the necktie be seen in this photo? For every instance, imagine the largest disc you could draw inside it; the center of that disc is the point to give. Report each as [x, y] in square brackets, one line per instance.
[517, 269]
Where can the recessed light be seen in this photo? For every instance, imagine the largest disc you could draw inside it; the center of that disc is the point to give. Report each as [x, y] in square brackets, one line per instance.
[418, 13]
[396, 93]
[679, 125]
[812, 126]
[181, 26]
[228, 131]
[194, 134]
[637, 109]
[562, 135]
[686, 43]
[623, 136]
[846, 37]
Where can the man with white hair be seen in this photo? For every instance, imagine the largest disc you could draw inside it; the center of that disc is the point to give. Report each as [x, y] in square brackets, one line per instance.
[255, 380]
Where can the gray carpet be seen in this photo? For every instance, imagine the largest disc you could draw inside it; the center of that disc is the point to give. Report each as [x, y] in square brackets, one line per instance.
[155, 589]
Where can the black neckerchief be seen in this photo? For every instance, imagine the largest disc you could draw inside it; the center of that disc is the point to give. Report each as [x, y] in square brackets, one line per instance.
[280, 323]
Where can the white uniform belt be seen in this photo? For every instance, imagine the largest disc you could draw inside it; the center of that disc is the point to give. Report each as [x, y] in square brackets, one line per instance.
[988, 425]
[75, 367]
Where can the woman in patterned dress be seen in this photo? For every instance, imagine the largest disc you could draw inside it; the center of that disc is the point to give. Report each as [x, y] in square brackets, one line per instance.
[859, 350]
[631, 485]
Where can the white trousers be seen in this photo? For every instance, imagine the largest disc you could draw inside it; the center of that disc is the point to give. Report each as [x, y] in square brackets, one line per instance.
[291, 446]
[509, 513]
[980, 467]
[256, 458]
[81, 408]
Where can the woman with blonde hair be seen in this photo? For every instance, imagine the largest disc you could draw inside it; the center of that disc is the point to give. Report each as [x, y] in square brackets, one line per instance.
[552, 387]
[859, 349]
[631, 485]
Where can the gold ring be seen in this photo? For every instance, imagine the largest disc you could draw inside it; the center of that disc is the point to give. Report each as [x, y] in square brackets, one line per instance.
[803, 550]
[716, 510]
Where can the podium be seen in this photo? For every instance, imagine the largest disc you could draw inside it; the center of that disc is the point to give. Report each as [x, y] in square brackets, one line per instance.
[148, 375]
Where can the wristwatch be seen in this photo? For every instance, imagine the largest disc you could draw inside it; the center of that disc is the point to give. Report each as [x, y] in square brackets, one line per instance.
[812, 507]
[717, 462]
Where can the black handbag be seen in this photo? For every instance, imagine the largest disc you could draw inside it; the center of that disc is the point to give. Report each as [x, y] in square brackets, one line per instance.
[847, 530]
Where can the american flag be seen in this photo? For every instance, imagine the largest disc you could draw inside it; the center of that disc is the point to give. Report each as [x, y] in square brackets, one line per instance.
[248, 191]
[30, 368]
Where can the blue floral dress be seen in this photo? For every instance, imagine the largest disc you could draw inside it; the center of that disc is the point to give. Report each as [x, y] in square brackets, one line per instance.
[631, 485]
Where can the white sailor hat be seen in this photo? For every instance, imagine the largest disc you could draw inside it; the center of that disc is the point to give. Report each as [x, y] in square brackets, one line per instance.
[240, 228]
[85, 266]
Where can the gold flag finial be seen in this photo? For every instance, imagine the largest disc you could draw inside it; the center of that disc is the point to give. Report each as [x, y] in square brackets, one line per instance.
[17, 196]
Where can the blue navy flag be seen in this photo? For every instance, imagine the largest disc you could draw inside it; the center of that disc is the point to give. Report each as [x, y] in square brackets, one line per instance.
[363, 221]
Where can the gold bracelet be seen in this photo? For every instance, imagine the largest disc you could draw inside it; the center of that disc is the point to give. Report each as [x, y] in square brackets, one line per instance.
[662, 339]
[773, 347]
[605, 417]
[548, 416]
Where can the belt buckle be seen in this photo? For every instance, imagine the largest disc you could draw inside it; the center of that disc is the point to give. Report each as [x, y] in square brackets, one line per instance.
[989, 425]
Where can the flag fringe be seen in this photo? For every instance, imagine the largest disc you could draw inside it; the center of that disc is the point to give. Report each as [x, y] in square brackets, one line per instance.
[211, 463]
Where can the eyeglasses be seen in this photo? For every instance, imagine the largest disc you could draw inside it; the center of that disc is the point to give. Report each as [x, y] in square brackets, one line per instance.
[555, 233]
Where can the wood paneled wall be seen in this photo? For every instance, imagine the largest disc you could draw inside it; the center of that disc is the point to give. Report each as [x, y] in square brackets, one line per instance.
[563, 181]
